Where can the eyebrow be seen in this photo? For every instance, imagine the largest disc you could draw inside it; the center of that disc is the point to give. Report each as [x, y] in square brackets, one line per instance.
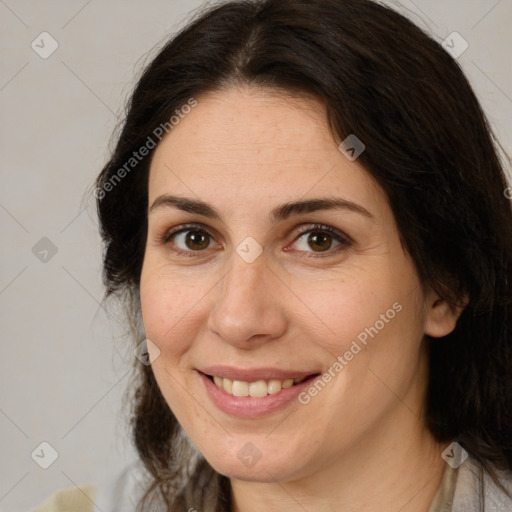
[279, 213]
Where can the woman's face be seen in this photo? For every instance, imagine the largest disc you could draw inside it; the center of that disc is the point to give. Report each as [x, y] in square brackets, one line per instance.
[271, 256]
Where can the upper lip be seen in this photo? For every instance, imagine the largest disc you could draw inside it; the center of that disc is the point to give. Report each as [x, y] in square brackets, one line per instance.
[254, 374]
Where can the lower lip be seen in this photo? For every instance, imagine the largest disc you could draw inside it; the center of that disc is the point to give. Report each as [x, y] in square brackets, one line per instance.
[249, 407]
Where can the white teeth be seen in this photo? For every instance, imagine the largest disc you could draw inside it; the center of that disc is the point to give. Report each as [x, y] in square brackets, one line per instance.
[240, 388]
[273, 387]
[227, 384]
[256, 389]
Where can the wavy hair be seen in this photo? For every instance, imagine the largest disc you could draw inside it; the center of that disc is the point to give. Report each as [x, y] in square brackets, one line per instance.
[428, 145]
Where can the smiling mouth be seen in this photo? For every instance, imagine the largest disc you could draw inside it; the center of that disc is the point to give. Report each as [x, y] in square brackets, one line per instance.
[256, 389]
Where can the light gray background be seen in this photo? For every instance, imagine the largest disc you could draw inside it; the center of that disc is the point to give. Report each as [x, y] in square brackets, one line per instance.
[64, 365]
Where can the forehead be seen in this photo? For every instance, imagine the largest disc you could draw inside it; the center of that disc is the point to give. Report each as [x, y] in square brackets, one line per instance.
[259, 146]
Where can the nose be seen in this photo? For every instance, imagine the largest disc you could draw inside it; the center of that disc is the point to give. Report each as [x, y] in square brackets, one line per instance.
[248, 311]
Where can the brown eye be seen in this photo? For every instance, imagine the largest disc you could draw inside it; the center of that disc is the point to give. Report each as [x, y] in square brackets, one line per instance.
[319, 242]
[188, 240]
[197, 240]
[321, 239]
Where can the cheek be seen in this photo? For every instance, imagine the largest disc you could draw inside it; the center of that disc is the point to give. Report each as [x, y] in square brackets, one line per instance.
[168, 309]
[384, 356]
[170, 320]
[349, 307]
[373, 326]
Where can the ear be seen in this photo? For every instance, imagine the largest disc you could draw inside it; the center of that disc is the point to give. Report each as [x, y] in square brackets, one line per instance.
[441, 317]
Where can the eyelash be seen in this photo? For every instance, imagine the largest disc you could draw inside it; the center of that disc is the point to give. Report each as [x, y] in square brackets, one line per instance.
[344, 240]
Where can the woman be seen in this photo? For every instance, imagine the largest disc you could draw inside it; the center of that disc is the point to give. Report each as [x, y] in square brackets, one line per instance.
[307, 217]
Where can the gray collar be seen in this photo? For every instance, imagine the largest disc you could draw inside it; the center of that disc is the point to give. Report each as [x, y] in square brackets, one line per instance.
[470, 489]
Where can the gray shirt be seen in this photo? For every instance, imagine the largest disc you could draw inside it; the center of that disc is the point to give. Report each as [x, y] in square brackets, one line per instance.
[469, 489]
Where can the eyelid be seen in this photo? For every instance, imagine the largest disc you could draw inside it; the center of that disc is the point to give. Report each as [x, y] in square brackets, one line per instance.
[344, 240]
[306, 228]
[165, 237]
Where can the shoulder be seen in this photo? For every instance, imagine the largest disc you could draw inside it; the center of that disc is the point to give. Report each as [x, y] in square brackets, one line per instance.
[475, 488]
[71, 499]
[121, 492]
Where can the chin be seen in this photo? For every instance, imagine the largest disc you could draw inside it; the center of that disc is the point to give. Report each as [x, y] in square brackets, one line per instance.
[263, 472]
[244, 461]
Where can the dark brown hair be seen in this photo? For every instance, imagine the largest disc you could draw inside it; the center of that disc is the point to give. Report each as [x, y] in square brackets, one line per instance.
[428, 145]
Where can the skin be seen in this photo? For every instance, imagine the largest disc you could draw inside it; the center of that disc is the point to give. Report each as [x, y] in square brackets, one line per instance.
[360, 444]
